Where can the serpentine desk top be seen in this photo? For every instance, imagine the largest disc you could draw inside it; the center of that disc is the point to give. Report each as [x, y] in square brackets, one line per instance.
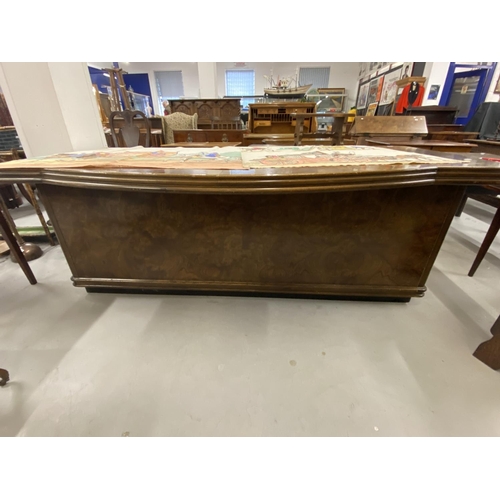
[253, 169]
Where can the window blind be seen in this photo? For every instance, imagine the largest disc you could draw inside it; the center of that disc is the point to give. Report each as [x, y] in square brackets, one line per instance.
[319, 77]
[169, 84]
[240, 82]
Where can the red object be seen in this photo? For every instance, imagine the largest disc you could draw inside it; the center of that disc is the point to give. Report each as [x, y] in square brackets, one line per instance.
[403, 102]
[491, 159]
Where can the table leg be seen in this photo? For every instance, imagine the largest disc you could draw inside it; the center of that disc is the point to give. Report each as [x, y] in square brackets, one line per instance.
[489, 352]
[14, 247]
[488, 240]
[4, 376]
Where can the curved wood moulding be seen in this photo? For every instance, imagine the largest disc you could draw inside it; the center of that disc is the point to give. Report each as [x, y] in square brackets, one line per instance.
[268, 180]
[288, 288]
[239, 183]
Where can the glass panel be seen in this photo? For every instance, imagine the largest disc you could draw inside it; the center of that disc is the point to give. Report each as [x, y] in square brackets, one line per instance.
[462, 94]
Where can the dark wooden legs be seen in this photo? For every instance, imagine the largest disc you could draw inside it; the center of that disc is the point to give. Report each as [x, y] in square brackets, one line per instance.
[488, 240]
[4, 376]
[489, 352]
[460, 208]
[14, 248]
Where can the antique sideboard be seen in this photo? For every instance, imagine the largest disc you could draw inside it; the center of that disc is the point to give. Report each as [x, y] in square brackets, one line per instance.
[209, 110]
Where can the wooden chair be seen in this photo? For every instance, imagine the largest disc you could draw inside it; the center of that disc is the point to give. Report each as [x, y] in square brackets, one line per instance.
[178, 121]
[488, 196]
[334, 137]
[129, 131]
[218, 124]
[10, 239]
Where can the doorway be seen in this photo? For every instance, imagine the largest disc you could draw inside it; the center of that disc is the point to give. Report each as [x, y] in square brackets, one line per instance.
[465, 93]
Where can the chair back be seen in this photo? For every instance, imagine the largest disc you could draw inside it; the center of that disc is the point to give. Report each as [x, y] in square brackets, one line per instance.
[177, 121]
[130, 132]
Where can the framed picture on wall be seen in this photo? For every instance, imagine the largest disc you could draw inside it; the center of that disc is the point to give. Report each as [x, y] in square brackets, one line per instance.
[389, 87]
[497, 86]
[407, 69]
[372, 108]
[375, 89]
[363, 94]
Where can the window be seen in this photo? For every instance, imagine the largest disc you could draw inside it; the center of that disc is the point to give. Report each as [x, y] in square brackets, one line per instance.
[319, 77]
[240, 82]
[169, 85]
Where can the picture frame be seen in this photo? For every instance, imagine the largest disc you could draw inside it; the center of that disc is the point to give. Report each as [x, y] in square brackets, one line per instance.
[372, 108]
[497, 86]
[362, 96]
[389, 88]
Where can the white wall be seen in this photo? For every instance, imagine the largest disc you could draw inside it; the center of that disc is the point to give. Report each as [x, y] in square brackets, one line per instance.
[58, 113]
[342, 74]
[435, 72]
[101, 65]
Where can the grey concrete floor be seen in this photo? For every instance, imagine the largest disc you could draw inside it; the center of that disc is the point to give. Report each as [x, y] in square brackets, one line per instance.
[111, 365]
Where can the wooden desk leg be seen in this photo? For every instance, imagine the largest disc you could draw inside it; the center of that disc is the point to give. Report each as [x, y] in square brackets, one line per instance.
[461, 207]
[488, 240]
[14, 248]
[4, 376]
[489, 352]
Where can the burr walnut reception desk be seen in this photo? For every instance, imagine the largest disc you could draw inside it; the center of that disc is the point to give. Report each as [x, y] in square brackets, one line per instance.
[345, 221]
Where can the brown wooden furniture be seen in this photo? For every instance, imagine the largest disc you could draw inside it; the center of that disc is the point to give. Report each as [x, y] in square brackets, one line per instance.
[200, 144]
[452, 135]
[490, 197]
[434, 114]
[233, 124]
[4, 377]
[388, 128]
[334, 135]
[10, 239]
[130, 129]
[489, 352]
[209, 110]
[208, 135]
[444, 127]
[489, 147]
[445, 146]
[339, 231]
[304, 142]
[255, 139]
[276, 118]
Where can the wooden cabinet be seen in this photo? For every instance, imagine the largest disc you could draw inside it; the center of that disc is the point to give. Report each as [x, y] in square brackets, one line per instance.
[275, 118]
[219, 110]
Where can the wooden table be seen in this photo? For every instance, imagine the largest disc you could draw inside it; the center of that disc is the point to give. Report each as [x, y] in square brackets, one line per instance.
[201, 144]
[251, 139]
[245, 221]
[489, 147]
[451, 135]
[444, 146]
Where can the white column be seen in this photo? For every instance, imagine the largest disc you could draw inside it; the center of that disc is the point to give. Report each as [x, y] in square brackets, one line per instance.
[53, 107]
[207, 75]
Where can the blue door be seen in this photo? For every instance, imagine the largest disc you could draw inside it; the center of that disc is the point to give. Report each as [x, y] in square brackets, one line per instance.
[465, 93]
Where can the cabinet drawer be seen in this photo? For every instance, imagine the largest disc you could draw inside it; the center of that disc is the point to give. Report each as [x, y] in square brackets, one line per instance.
[262, 123]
